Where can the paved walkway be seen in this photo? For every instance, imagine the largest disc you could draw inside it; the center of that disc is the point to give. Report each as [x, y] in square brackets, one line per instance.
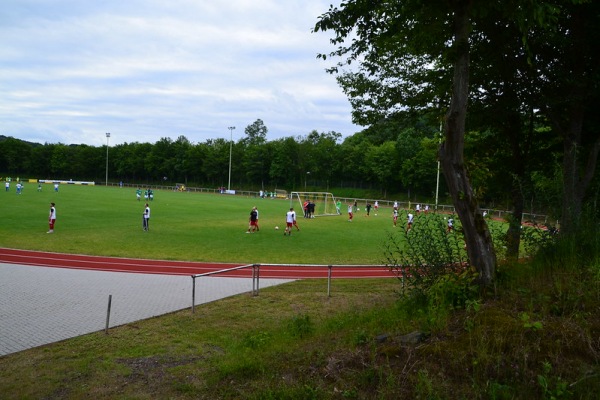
[41, 305]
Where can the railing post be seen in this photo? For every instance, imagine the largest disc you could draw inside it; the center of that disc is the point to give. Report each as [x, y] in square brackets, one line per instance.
[193, 292]
[108, 313]
[255, 279]
[330, 267]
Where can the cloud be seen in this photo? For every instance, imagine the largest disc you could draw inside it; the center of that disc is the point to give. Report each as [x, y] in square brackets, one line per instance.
[143, 70]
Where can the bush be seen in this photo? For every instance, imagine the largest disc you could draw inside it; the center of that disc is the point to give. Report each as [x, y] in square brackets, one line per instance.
[420, 256]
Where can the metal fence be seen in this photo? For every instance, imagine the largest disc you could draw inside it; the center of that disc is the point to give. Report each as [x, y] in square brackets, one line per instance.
[322, 271]
[443, 208]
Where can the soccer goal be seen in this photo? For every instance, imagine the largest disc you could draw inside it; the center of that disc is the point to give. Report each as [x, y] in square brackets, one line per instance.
[324, 203]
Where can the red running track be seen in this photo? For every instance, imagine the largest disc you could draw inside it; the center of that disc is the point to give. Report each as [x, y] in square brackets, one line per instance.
[165, 267]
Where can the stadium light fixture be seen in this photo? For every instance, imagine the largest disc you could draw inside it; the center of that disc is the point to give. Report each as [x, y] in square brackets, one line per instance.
[305, 179]
[231, 128]
[107, 137]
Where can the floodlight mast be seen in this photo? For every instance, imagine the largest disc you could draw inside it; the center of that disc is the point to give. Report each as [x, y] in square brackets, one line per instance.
[231, 128]
[107, 137]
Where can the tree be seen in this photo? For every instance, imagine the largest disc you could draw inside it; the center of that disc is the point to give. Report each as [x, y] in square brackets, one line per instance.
[254, 155]
[382, 163]
[14, 155]
[216, 163]
[181, 165]
[159, 162]
[567, 55]
[394, 45]
[283, 170]
[256, 133]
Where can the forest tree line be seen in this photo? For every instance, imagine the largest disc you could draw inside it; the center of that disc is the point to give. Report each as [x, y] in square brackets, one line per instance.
[394, 157]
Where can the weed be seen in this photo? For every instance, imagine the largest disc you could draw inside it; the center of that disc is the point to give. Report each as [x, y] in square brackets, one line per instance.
[301, 326]
[256, 340]
[552, 388]
[528, 324]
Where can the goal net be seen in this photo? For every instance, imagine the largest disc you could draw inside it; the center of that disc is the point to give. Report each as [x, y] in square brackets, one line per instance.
[324, 203]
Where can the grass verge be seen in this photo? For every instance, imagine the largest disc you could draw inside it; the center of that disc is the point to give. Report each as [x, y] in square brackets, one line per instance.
[293, 342]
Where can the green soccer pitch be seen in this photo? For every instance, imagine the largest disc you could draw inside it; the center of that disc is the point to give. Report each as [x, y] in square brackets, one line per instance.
[107, 221]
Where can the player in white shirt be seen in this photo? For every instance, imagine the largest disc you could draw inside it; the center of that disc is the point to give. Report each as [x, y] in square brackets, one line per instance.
[146, 218]
[450, 225]
[51, 218]
[410, 222]
[290, 217]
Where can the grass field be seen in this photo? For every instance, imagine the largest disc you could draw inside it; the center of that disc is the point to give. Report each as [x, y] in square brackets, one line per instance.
[186, 226]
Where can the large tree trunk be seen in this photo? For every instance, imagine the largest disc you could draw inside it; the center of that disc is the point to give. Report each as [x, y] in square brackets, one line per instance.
[520, 145]
[576, 177]
[480, 248]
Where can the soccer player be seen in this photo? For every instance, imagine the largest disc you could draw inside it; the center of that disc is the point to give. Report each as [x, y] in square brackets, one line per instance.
[138, 194]
[51, 218]
[290, 217]
[376, 206]
[450, 225]
[252, 221]
[257, 227]
[146, 218]
[395, 217]
[350, 212]
[409, 222]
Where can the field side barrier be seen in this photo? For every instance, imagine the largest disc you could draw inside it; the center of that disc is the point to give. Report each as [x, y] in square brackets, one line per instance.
[255, 279]
[443, 208]
[256, 275]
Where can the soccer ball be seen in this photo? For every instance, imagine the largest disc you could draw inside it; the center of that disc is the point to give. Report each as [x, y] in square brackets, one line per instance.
[276, 228]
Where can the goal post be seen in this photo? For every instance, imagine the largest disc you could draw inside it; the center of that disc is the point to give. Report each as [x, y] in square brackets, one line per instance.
[324, 202]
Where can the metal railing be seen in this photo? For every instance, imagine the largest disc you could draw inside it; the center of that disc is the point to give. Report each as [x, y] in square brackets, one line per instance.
[256, 275]
[255, 279]
[444, 208]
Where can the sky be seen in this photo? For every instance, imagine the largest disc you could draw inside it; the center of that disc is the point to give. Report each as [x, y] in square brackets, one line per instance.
[73, 70]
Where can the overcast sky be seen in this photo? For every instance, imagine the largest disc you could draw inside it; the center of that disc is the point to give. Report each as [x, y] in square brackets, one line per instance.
[72, 70]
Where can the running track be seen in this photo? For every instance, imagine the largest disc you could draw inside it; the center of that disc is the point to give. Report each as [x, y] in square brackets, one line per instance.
[164, 267]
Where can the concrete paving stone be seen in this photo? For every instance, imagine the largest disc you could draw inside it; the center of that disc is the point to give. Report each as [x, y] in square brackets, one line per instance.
[42, 305]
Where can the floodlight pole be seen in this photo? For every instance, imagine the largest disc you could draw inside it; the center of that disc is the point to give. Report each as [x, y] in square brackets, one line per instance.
[107, 137]
[437, 186]
[231, 128]
[305, 179]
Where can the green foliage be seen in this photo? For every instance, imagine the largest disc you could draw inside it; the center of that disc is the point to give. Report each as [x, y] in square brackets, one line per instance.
[425, 252]
[300, 326]
[529, 324]
[553, 388]
[256, 340]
